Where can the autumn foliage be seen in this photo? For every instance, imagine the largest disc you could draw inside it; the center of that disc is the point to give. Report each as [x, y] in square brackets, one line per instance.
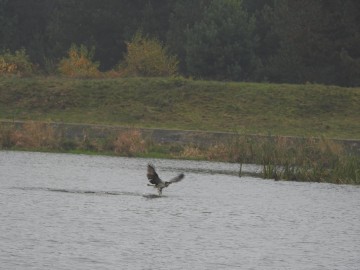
[79, 63]
[148, 57]
[17, 63]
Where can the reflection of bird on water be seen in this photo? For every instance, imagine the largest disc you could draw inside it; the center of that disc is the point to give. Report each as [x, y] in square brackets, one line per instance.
[156, 182]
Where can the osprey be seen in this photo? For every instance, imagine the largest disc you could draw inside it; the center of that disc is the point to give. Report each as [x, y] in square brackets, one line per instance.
[156, 182]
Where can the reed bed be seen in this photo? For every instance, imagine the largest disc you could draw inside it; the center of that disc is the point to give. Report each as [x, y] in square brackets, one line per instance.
[310, 159]
[282, 158]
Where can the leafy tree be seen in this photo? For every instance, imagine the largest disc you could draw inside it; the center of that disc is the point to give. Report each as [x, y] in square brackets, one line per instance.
[148, 57]
[154, 20]
[222, 47]
[17, 63]
[79, 63]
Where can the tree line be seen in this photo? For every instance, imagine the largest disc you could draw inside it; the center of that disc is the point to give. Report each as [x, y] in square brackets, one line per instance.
[290, 41]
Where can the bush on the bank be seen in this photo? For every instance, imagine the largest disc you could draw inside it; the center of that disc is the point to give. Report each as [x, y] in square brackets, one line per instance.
[17, 63]
[79, 63]
[148, 57]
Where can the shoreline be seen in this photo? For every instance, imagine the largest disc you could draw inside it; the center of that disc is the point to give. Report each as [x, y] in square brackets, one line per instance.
[280, 157]
[198, 138]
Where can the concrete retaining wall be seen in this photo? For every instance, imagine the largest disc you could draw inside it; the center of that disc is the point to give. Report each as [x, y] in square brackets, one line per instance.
[164, 136]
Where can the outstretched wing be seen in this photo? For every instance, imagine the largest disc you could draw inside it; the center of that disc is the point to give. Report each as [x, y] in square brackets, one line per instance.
[152, 175]
[177, 178]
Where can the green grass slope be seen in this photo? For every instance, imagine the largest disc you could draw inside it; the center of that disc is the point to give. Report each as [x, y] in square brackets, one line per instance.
[176, 103]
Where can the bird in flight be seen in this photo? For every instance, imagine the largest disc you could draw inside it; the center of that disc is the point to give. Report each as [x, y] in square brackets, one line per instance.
[156, 182]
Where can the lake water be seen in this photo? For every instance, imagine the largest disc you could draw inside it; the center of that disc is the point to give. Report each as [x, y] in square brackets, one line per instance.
[60, 211]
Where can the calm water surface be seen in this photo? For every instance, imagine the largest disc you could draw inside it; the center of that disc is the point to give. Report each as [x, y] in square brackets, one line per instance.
[60, 211]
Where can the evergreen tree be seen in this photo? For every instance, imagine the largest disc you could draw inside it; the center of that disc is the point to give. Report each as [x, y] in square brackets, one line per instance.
[345, 29]
[7, 29]
[318, 42]
[104, 25]
[278, 40]
[23, 25]
[221, 45]
[155, 18]
[183, 17]
[254, 6]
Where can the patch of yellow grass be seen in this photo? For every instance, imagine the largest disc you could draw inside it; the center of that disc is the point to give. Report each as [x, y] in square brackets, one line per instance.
[129, 143]
[34, 135]
[190, 151]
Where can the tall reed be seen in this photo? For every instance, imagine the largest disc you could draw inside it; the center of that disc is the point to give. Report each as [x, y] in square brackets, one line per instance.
[30, 135]
[129, 143]
[312, 159]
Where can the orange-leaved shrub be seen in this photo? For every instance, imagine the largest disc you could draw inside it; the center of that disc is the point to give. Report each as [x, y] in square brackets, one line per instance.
[17, 63]
[79, 63]
[148, 57]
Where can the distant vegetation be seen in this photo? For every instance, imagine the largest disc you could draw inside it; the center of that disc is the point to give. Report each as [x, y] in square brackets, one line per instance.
[311, 160]
[79, 63]
[17, 63]
[147, 57]
[278, 41]
[125, 63]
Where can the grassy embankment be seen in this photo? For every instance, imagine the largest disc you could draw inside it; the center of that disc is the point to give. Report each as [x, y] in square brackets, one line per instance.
[279, 109]
[248, 108]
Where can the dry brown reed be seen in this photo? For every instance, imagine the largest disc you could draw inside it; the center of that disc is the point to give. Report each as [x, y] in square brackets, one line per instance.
[192, 152]
[38, 135]
[30, 135]
[129, 143]
[312, 159]
[6, 136]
